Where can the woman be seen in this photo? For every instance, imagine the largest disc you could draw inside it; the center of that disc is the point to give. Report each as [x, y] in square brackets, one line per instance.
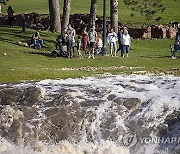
[111, 39]
[85, 40]
[10, 12]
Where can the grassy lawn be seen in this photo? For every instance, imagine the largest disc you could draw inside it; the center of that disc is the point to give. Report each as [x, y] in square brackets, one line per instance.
[23, 63]
[172, 12]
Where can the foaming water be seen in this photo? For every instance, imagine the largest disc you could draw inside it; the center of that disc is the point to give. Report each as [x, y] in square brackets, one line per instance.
[91, 115]
[64, 148]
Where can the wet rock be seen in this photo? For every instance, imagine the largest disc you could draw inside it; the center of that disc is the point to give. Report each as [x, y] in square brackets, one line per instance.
[51, 111]
[119, 100]
[89, 103]
[111, 97]
[173, 118]
[10, 96]
[132, 103]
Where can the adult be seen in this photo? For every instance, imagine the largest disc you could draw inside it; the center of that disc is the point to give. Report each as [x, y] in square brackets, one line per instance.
[111, 39]
[79, 47]
[92, 40]
[36, 40]
[10, 12]
[120, 40]
[70, 39]
[177, 43]
[177, 40]
[85, 40]
[126, 43]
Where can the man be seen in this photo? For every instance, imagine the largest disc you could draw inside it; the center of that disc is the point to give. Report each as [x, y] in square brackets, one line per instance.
[111, 39]
[177, 43]
[36, 40]
[70, 39]
[92, 40]
[120, 40]
[177, 40]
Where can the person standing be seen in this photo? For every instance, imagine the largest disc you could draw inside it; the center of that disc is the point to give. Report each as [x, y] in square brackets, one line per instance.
[111, 39]
[70, 39]
[10, 12]
[177, 43]
[92, 40]
[85, 40]
[79, 47]
[120, 40]
[126, 43]
[177, 39]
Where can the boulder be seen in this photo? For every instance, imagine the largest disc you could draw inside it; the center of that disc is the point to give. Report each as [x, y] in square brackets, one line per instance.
[132, 103]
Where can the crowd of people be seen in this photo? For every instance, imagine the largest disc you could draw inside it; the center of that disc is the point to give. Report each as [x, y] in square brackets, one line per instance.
[90, 42]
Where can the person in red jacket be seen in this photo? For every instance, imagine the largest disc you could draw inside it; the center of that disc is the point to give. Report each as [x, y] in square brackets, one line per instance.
[85, 40]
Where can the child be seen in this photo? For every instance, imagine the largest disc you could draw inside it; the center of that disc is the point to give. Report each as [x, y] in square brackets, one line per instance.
[79, 47]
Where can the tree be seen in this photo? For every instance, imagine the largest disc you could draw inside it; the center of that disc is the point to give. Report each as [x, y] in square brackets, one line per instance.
[66, 15]
[114, 14]
[55, 21]
[3, 1]
[93, 12]
[147, 8]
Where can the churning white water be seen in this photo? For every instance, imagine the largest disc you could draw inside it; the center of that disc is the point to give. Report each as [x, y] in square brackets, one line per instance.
[101, 112]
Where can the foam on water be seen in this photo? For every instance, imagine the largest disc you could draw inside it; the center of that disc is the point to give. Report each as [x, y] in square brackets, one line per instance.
[160, 95]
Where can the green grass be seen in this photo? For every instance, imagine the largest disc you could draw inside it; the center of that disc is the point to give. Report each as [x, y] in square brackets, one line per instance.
[23, 63]
[172, 12]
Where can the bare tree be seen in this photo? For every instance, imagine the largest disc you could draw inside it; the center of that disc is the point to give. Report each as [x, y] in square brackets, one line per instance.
[114, 14]
[93, 11]
[55, 21]
[66, 14]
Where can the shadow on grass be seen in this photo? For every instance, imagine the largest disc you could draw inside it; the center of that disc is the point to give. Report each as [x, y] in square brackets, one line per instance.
[40, 53]
[158, 56]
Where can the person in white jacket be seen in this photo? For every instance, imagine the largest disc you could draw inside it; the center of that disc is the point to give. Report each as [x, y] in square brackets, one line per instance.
[126, 43]
[111, 39]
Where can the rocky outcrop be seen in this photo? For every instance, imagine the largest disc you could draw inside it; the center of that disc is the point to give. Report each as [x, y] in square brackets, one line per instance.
[80, 21]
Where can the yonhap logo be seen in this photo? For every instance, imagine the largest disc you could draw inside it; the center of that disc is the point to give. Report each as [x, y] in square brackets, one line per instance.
[129, 140]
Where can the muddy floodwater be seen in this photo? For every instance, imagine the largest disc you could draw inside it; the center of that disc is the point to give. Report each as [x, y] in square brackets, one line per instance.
[136, 114]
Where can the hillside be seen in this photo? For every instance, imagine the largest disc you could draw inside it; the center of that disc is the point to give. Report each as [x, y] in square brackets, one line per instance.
[172, 12]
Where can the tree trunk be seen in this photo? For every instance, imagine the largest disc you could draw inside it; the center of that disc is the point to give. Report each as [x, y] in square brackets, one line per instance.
[55, 21]
[0, 10]
[114, 14]
[66, 14]
[93, 12]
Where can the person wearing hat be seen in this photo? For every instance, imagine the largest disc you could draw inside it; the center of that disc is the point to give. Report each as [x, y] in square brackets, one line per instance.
[36, 40]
